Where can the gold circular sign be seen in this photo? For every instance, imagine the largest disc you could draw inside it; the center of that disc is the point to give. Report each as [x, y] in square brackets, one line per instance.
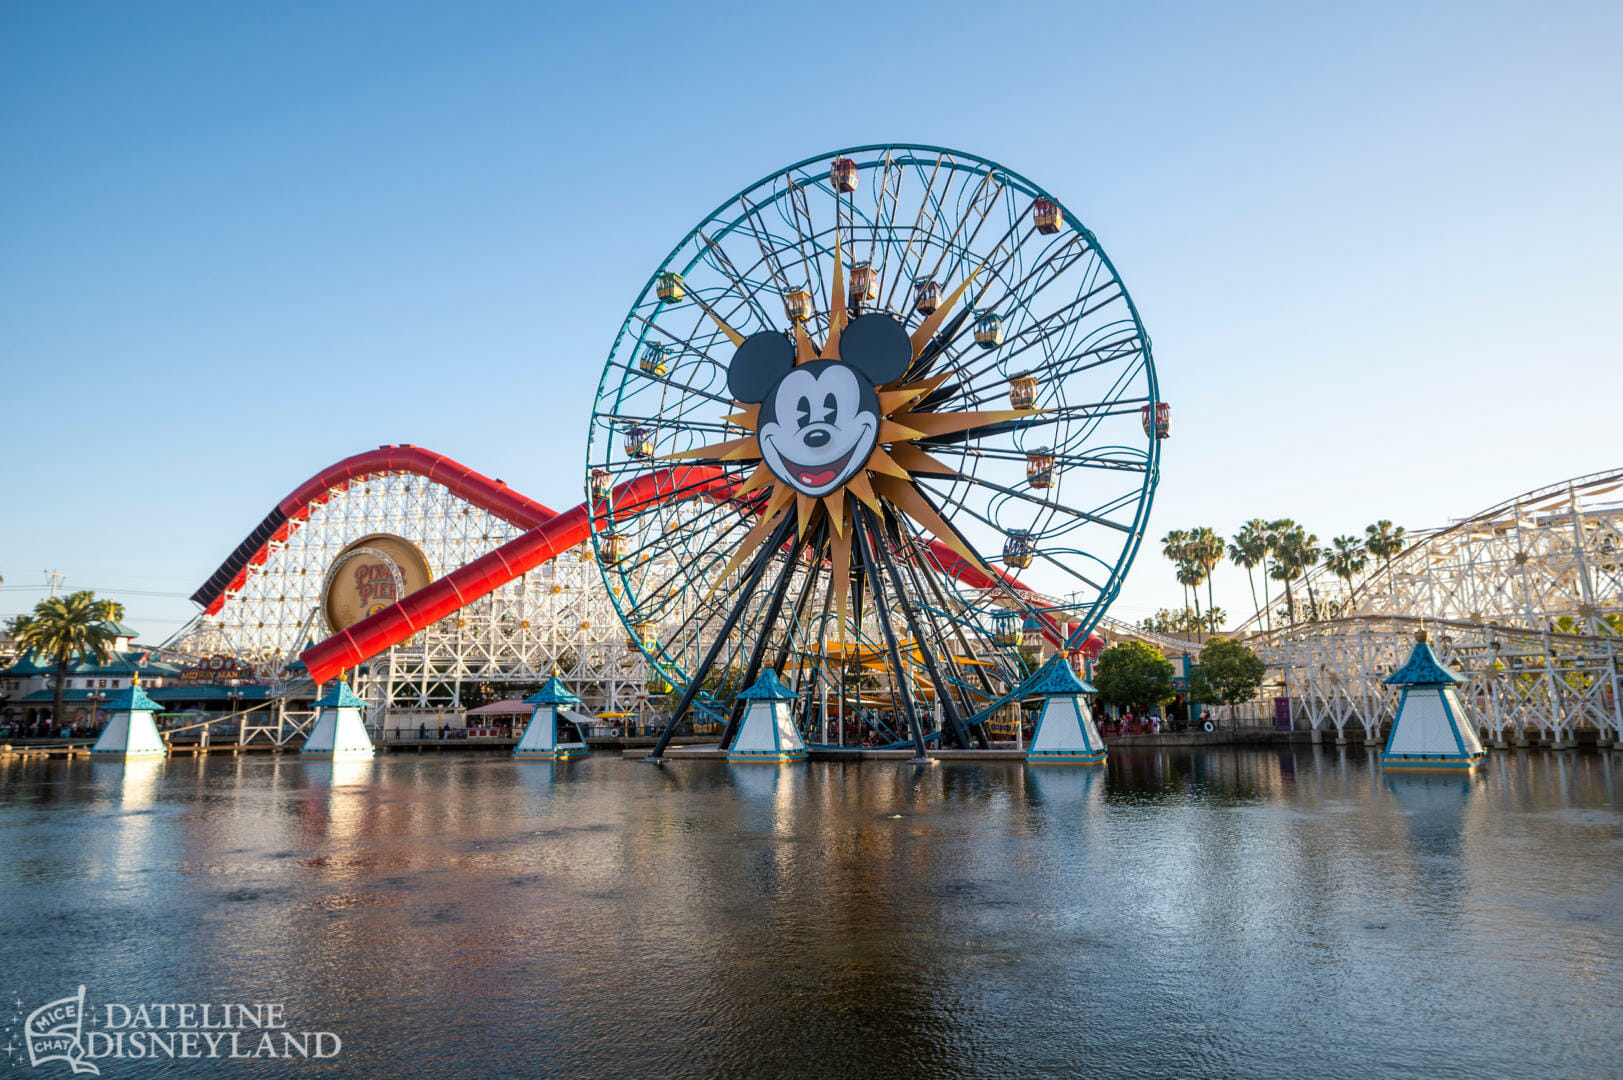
[364, 582]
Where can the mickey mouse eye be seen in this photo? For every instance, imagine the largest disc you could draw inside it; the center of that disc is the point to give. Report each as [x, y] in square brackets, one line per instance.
[878, 346]
[831, 409]
[804, 409]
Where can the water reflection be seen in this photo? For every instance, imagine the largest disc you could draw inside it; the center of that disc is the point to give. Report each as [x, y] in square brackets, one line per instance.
[1208, 912]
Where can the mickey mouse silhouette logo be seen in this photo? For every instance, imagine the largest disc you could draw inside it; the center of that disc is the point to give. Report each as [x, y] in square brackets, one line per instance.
[819, 421]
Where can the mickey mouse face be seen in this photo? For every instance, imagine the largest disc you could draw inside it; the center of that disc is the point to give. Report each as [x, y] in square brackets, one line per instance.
[819, 422]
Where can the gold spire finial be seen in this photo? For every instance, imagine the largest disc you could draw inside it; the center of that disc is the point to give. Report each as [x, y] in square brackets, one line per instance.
[1420, 636]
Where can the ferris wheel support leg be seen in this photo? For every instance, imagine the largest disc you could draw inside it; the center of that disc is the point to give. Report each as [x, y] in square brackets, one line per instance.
[768, 618]
[752, 579]
[943, 696]
[978, 730]
[862, 536]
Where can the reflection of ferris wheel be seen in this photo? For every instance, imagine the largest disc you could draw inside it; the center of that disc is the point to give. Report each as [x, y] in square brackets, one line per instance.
[880, 417]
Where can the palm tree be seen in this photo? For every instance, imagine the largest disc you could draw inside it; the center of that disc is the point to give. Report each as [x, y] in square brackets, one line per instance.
[1348, 559]
[1278, 530]
[1384, 540]
[1173, 546]
[1189, 576]
[1206, 550]
[1291, 551]
[65, 627]
[1250, 550]
[1308, 554]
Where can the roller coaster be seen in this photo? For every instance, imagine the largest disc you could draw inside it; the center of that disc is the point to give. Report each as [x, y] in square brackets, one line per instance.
[516, 596]
[1524, 599]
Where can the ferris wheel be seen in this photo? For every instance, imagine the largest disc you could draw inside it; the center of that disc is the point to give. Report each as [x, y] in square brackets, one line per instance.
[880, 419]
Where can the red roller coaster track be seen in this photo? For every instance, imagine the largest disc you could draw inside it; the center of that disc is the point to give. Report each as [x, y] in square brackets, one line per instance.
[548, 534]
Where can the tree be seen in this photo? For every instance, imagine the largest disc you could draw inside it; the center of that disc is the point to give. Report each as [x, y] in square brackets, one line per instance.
[1348, 559]
[64, 627]
[1134, 675]
[1384, 540]
[1282, 536]
[1250, 550]
[1308, 555]
[1279, 531]
[1189, 577]
[1173, 546]
[1206, 551]
[1168, 622]
[1229, 673]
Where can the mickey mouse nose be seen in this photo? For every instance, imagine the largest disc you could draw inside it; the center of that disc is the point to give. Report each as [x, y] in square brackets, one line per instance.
[815, 438]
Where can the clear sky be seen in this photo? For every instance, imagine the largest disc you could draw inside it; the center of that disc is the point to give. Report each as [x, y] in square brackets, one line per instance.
[1376, 245]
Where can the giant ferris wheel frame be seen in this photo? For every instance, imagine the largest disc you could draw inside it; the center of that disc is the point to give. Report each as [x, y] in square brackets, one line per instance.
[1075, 363]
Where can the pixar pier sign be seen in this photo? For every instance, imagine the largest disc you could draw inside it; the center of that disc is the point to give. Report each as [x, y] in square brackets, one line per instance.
[88, 1038]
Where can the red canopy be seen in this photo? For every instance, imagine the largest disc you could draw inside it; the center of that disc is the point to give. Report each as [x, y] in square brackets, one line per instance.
[503, 708]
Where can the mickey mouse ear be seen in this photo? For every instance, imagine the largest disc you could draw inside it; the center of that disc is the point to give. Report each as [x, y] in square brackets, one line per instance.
[762, 360]
[878, 346]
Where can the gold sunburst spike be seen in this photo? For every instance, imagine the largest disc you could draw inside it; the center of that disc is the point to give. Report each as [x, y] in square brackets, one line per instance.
[946, 423]
[839, 554]
[806, 510]
[911, 503]
[881, 463]
[746, 547]
[891, 400]
[918, 462]
[834, 505]
[743, 449]
[747, 417]
[805, 353]
[892, 432]
[933, 321]
[836, 305]
[732, 335]
[759, 478]
[862, 488]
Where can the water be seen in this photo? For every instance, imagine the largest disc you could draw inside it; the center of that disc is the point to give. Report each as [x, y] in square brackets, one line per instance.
[1211, 913]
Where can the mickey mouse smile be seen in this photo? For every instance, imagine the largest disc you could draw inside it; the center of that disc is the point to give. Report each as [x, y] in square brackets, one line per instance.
[819, 421]
[813, 479]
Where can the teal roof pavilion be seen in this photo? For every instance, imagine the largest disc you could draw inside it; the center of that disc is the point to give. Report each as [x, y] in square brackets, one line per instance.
[554, 692]
[1422, 668]
[768, 688]
[131, 699]
[341, 697]
[1056, 677]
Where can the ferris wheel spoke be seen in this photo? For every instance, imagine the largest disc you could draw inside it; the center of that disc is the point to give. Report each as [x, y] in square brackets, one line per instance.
[724, 264]
[1112, 352]
[1049, 505]
[1041, 330]
[921, 641]
[924, 244]
[948, 336]
[753, 577]
[1060, 460]
[945, 625]
[899, 676]
[779, 276]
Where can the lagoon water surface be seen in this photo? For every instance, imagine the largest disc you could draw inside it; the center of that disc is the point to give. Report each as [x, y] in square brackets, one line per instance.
[1204, 913]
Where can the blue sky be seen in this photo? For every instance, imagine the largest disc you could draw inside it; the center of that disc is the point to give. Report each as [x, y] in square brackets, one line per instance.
[1375, 245]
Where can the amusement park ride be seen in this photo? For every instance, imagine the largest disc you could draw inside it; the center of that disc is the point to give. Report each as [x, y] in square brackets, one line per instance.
[875, 423]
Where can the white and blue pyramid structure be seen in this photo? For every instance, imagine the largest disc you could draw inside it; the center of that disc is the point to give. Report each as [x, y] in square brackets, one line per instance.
[548, 736]
[768, 731]
[339, 733]
[1431, 732]
[131, 732]
[1065, 732]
